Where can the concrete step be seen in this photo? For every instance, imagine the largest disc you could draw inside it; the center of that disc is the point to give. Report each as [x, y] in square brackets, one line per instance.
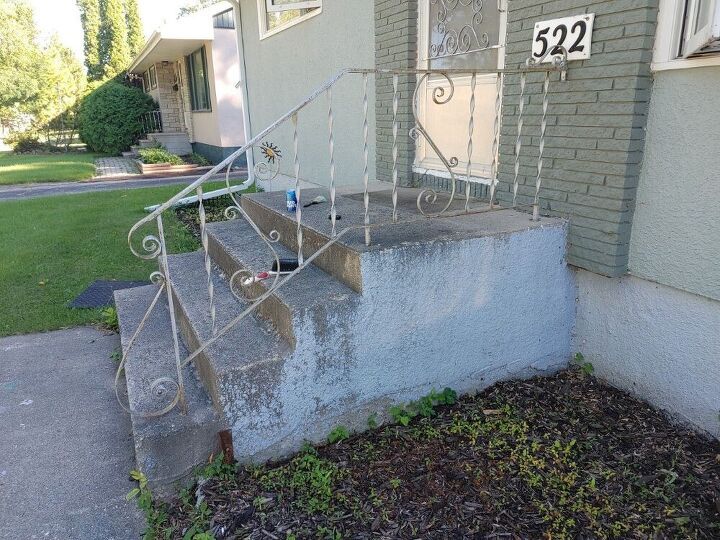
[349, 259]
[245, 352]
[129, 154]
[146, 143]
[176, 143]
[135, 149]
[168, 447]
[312, 294]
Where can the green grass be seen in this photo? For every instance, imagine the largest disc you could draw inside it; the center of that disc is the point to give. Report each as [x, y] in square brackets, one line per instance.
[25, 169]
[54, 247]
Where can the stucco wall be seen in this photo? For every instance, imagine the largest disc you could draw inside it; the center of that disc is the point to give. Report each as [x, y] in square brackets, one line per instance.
[284, 68]
[654, 341]
[676, 231]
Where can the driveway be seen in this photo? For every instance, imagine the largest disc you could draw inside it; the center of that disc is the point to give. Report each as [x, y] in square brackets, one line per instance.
[27, 191]
[66, 445]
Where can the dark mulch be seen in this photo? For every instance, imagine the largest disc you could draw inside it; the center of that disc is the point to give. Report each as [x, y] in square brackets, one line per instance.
[558, 457]
[214, 211]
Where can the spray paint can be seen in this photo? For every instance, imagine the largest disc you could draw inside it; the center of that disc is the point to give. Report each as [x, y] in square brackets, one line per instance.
[292, 201]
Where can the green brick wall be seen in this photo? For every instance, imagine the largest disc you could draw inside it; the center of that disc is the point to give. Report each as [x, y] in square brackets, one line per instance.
[395, 48]
[596, 120]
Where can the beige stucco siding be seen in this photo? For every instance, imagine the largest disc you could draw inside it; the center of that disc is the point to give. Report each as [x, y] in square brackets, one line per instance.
[284, 68]
[676, 231]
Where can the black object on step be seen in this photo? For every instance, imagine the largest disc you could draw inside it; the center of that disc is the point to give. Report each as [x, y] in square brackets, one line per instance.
[337, 216]
[286, 265]
[100, 293]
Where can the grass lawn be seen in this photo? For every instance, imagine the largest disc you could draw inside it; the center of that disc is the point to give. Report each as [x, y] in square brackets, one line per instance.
[25, 169]
[54, 247]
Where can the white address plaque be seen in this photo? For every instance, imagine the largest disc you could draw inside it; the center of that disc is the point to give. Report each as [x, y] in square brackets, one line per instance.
[572, 33]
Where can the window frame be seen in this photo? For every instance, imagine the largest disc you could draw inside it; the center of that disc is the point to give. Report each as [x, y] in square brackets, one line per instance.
[668, 36]
[265, 6]
[189, 64]
[217, 17]
[152, 77]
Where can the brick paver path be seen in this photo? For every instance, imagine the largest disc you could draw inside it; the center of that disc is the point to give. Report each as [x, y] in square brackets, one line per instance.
[116, 166]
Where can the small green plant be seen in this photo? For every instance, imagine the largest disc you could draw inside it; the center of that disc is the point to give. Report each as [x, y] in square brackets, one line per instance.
[339, 433]
[586, 367]
[425, 406]
[116, 356]
[217, 468]
[155, 514]
[372, 422]
[159, 155]
[197, 159]
[395, 483]
[109, 319]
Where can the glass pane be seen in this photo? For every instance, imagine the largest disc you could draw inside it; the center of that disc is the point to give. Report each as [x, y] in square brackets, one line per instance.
[462, 27]
[279, 18]
[199, 81]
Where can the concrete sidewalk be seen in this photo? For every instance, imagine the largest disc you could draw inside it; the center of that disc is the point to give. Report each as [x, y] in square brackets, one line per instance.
[65, 443]
[28, 191]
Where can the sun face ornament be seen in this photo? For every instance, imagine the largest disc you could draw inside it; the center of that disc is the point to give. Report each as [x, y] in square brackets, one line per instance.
[269, 169]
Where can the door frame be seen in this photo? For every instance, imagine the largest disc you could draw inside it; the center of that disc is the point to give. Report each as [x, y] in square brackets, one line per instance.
[478, 174]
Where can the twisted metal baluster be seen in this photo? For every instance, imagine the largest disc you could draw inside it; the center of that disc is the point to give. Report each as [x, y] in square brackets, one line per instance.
[541, 148]
[333, 212]
[206, 251]
[165, 267]
[396, 101]
[298, 211]
[518, 141]
[496, 140]
[366, 154]
[471, 130]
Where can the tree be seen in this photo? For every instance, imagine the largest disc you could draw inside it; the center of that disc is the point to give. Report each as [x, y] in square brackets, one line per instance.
[134, 26]
[90, 18]
[19, 57]
[114, 48]
[194, 6]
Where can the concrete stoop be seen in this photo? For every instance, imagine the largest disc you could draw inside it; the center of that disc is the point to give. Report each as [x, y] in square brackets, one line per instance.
[457, 302]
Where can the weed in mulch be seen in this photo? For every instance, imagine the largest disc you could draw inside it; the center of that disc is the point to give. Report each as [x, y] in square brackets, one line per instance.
[214, 211]
[558, 457]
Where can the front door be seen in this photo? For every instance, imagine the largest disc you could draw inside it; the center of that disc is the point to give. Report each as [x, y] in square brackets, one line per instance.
[460, 34]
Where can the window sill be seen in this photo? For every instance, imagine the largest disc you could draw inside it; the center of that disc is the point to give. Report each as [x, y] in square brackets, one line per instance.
[202, 111]
[686, 63]
[264, 34]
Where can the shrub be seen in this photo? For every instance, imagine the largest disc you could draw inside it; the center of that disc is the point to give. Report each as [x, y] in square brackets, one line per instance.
[27, 144]
[197, 159]
[159, 155]
[110, 117]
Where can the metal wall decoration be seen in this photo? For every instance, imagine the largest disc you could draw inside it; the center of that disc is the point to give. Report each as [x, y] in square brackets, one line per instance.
[465, 37]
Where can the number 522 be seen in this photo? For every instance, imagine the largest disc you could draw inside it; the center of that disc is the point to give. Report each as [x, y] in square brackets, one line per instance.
[574, 34]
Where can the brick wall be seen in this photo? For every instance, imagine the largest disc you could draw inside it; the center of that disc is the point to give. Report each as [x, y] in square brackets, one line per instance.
[169, 106]
[596, 119]
[395, 48]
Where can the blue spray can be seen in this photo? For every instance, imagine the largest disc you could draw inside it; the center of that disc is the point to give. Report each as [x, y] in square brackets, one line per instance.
[292, 201]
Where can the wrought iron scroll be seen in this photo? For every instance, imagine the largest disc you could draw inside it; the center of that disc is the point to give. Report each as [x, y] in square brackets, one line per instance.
[465, 39]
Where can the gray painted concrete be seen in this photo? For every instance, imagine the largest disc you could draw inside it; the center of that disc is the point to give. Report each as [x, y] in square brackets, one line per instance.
[676, 230]
[29, 191]
[654, 341]
[66, 446]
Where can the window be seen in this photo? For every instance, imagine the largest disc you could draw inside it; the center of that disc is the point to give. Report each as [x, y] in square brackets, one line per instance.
[152, 75]
[276, 15]
[198, 81]
[687, 35]
[700, 32]
[224, 20]
[146, 81]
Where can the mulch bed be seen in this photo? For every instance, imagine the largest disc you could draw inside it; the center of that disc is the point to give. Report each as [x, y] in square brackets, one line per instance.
[559, 457]
[214, 211]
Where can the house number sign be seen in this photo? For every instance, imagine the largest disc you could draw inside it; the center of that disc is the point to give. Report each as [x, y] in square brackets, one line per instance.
[572, 33]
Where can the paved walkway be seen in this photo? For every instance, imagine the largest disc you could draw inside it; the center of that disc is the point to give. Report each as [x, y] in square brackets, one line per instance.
[65, 444]
[28, 191]
[108, 167]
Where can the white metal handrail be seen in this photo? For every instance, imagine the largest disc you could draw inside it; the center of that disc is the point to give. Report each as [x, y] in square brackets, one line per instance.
[153, 246]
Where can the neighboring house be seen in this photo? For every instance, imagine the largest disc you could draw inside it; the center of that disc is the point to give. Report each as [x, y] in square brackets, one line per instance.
[632, 155]
[190, 68]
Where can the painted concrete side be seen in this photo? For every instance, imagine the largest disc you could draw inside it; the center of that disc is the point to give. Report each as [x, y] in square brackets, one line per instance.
[654, 341]
[285, 68]
[676, 232]
[406, 335]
